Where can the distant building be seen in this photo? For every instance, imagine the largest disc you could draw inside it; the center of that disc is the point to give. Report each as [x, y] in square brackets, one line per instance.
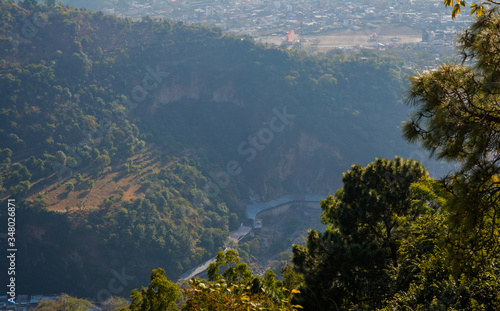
[22, 300]
[34, 300]
[291, 38]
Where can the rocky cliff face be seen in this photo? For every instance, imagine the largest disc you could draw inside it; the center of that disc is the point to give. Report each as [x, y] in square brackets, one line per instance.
[276, 155]
[303, 165]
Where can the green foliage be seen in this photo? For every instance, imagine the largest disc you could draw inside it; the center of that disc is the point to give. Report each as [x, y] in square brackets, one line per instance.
[374, 204]
[352, 261]
[456, 118]
[61, 157]
[237, 289]
[426, 280]
[29, 4]
[345, 271]
[5, 154]
[71, 162]
[78, 177]
[90, 184]
[50, 3]
[221, 297]
[21, 189]
[160, 295]
[235, 272]
[65, 302]
[108, 202]
[291, 279]
[103, 161]
[114, 304]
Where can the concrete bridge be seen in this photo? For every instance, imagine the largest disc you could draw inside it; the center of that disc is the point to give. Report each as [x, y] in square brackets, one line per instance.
[281, 205]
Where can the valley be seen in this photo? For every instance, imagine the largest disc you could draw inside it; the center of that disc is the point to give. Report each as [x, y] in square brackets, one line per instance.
[138, 144]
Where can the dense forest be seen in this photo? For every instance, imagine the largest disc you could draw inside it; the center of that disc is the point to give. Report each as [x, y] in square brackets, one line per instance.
[132, 145]
[118, 137]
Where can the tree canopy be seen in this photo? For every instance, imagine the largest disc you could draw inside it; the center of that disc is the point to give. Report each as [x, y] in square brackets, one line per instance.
[160, 295]
[457, 118]
[350, 263]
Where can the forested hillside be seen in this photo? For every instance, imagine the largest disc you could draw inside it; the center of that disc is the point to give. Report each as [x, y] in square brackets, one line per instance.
[131, 144]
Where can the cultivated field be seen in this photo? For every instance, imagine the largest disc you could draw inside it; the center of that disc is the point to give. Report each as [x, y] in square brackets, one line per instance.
[354, 38]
